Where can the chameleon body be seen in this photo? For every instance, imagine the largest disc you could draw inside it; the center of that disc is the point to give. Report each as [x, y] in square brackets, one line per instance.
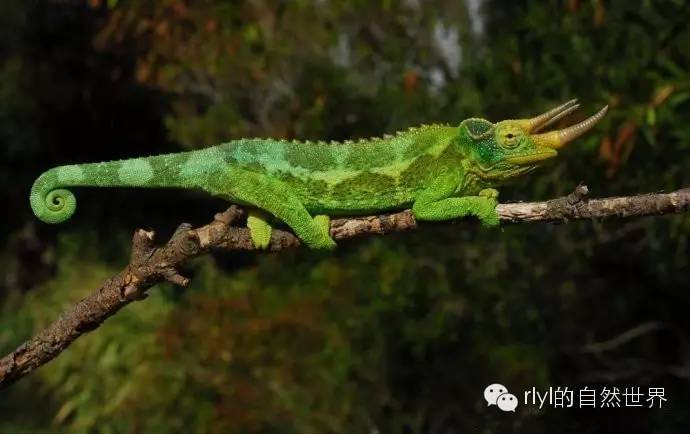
[441, 172]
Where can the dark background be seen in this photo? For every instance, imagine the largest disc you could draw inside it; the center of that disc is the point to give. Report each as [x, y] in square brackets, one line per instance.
[388, 334]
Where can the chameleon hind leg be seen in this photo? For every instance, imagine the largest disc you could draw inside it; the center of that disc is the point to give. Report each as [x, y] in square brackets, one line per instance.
[275, 197]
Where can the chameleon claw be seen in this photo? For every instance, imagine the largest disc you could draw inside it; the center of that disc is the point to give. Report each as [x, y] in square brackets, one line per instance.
[259, 230]
[487, 212]
[324, 223]
[490, 218]
[489, 193]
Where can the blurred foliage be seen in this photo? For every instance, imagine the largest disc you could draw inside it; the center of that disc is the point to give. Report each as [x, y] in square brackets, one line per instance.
[393, 334]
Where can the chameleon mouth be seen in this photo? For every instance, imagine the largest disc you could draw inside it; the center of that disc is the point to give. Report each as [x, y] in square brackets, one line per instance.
[523, 160]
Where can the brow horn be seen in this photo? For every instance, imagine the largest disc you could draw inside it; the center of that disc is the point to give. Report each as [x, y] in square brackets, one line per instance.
[556, 118]
[556, 139]
[538, 122]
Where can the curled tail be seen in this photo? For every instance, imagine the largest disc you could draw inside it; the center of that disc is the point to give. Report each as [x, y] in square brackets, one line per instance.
[53, 203]
[50, 203]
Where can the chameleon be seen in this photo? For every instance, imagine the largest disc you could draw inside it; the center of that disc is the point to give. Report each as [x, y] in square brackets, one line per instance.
[440, 171]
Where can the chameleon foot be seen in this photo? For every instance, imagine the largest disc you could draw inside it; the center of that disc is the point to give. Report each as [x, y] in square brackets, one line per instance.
[486, 211]
[259, 229]
[324, 224]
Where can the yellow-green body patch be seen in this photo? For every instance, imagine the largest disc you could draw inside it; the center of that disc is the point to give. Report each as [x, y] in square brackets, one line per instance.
[68, 174]
[135, 172]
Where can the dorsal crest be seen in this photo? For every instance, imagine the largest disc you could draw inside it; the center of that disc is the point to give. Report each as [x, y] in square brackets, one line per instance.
[365, 140]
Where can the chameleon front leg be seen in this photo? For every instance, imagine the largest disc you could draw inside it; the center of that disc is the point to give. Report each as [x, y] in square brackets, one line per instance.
[434, 204]
[275, 197]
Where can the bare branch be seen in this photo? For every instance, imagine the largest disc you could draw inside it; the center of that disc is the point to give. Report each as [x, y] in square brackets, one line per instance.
[150, 265]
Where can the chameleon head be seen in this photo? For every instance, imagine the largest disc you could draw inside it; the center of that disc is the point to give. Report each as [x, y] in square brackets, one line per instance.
[512, 147]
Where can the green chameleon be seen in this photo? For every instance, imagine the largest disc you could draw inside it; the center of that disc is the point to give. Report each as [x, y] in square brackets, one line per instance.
[442, 172]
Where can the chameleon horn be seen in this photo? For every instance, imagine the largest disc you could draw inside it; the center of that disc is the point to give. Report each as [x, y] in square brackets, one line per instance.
[538, 122]
[556, 118]
[556, 139]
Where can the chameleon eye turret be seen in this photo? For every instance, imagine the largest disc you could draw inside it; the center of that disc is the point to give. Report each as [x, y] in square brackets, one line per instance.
[558, 138]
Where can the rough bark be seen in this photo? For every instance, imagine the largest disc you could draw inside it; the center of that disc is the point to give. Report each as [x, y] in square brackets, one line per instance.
[150, 264]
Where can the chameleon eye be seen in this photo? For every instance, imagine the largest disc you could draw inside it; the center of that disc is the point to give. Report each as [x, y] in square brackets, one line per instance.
[510, 140]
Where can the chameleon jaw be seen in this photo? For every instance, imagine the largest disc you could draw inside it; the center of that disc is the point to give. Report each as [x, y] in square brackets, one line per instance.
[524, 160]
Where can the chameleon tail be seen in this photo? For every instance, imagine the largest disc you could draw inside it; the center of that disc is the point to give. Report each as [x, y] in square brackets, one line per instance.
[50, 203]
[53, 203]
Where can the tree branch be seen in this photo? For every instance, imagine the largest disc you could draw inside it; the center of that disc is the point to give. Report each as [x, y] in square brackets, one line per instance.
[150, 265]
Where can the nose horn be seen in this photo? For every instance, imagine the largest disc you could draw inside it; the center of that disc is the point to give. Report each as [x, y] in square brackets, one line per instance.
[556, 139]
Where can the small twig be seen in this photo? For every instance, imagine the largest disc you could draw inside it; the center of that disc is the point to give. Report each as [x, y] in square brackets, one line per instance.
[623, 338]
[150, 265]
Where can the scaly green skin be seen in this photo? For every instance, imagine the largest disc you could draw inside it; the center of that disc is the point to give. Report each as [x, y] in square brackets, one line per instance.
[437, 170]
